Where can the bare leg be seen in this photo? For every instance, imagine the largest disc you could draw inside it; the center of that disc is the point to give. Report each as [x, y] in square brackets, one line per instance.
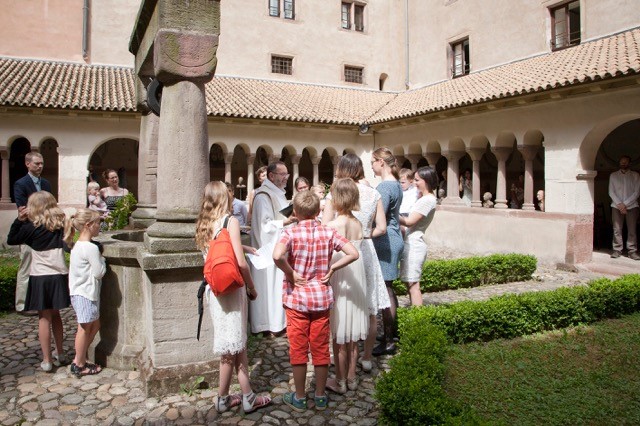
[227, 363]
[44, 334]
[242, 370]
[299, 379]
[82, 343]
[352, 357]
[56, 325]
[370, 342]
[415, 294]
[322, 371]
[339, 360]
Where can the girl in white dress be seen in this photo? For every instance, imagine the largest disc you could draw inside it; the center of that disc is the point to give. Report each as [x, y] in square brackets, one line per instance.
[374, 224]
[419, 219]
[229, 311]
[349, 319]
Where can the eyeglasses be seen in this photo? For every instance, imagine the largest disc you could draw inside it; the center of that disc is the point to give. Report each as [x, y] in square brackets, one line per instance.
[282, 173]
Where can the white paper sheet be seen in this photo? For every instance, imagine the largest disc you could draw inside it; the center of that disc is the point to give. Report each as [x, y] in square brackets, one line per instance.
[264, 257]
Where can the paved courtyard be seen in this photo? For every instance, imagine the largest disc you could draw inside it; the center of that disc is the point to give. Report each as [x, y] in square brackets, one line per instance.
[33, 397]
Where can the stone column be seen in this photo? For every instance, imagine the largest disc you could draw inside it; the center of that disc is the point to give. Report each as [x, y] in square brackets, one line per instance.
[453, 178]
[145, 213]
[335, 160]
[295, 161]
[432, 159]
[315, 161]
[476, 156]
[251, 158]
[228, 158]
[6, 194]
[529, 154]
[502, 154]
[414, 159]
[274, 157]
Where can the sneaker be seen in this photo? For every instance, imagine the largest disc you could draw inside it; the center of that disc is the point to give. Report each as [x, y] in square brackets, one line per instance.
[60, 359]
[366, 365]
[299, 405]
[616, 254]
[321, 402]
[634, 256]
[46, 366]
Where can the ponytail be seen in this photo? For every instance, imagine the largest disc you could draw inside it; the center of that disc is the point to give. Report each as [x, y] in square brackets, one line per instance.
[77, 222]
[384, 154]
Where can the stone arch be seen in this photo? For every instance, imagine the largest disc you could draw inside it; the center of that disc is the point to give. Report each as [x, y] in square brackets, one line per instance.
[263, 153]
[49, 151]
[504, 139]
[18, 147]
[433, 147]
[216, 161]
[305, 168]
[593, 139]
[325, 168]
[348, 151]
[622, 140]
[239, 170]
[120, 154]
[488, 171]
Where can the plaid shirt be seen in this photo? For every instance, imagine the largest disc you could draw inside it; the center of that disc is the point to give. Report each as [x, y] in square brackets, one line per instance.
[310, 246]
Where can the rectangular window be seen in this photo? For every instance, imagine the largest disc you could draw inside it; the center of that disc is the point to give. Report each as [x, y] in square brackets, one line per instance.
[353, 74]
[289, 9]
[274, 7]
[281, 65]
[565, 25]
[460, 58]
[359, 17]
[346, 16]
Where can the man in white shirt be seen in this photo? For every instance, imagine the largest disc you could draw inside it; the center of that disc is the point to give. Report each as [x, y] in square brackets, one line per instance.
[624, 190]
[266, 312]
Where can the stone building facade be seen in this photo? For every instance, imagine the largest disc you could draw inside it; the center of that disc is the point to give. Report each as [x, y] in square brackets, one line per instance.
[544, 89]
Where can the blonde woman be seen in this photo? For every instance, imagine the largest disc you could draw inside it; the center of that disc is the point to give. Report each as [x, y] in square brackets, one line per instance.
[40, 225]
[228, 312]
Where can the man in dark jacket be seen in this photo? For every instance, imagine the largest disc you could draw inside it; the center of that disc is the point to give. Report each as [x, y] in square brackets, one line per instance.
[22, 189]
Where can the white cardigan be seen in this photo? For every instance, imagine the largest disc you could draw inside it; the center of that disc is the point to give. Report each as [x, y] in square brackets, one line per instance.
[86, 269]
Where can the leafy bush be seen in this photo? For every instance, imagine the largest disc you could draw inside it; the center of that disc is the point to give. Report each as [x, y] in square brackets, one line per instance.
[8, 271]
[411, 392]
[467, 272]
[119, 217]
[511, 315]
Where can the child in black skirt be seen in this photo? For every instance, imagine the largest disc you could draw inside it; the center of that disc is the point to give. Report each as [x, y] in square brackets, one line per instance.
[40, 225]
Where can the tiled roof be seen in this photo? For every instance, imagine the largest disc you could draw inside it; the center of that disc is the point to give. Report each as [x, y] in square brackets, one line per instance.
[596, 60]
[43, 84]
[277, 100]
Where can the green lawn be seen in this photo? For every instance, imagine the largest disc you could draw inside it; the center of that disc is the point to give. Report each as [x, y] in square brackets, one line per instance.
[584, 375]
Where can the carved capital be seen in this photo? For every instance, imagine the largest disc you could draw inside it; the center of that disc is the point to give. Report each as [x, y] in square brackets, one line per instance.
[315, 160]
[184, 55]
[475, 153]
[501, 152]
[251, 158]
[335, 159]
[228, 158]
[453, 155]
[295, 159]
[432, 158]
[528, 151]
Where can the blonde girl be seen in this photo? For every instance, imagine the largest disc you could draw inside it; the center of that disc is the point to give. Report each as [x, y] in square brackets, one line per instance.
[349, 315]
[40, 225]
[87, 267]
[229, 311]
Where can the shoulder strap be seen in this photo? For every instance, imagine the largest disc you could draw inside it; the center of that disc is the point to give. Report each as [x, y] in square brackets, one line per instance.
[225, 223]
[273, 205]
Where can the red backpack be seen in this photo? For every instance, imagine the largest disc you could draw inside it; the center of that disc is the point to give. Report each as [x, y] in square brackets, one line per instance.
[221, 266]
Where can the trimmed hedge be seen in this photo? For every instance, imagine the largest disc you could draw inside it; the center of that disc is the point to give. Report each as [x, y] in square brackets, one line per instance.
[440, 275]
[513, 315]
[411, 392]
[8, 270]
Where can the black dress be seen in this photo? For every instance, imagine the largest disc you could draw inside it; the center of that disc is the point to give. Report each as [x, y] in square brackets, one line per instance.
[48, 274]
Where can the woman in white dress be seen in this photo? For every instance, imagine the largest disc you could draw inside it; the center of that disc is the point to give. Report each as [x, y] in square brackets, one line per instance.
[228, 311]
[371, 211]
[419, 219]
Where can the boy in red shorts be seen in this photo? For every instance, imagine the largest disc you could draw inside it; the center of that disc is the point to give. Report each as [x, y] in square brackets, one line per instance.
[304, 254]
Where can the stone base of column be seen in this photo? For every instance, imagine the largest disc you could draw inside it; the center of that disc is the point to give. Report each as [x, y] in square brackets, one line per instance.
[170, 237]
[144, 216]
[149, 315]
[476, 204]
[528, 206]
[501, 204]
[453, 201]
[5, 201]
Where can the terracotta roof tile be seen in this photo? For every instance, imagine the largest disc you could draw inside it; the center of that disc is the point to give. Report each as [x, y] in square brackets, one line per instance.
[43, 84]
[612, 56]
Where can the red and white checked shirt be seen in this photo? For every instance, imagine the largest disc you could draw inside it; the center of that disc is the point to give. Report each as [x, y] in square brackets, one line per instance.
[310, 246]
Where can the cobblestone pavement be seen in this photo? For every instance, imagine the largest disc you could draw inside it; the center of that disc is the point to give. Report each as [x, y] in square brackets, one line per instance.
[33, 397]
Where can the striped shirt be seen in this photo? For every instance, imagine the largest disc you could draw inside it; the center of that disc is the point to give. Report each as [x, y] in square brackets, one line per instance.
[310, 246]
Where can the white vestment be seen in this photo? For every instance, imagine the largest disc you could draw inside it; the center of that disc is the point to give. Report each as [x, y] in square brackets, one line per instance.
[266, 313]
